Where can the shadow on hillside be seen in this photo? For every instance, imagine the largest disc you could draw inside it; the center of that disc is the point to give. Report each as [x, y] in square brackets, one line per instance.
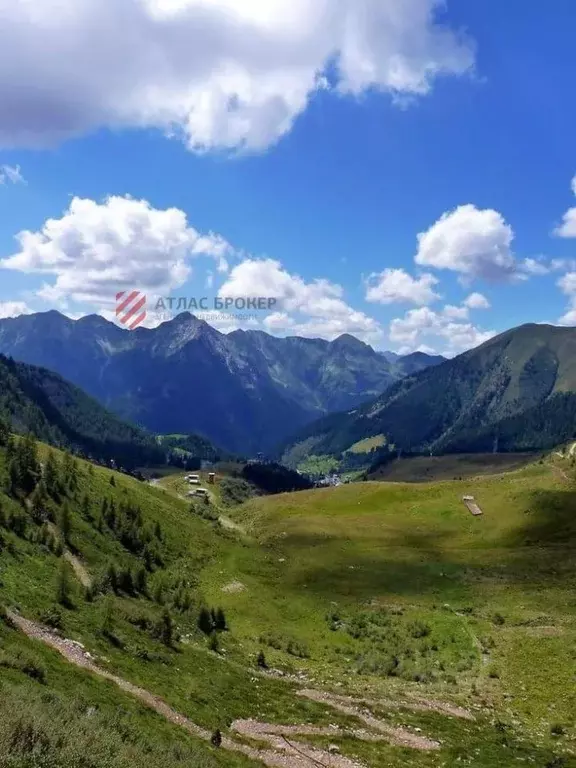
[416, 562]
[412, 564]
[550, 520]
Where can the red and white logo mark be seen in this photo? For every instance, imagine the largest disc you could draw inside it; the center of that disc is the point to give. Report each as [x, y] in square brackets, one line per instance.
[131, 308]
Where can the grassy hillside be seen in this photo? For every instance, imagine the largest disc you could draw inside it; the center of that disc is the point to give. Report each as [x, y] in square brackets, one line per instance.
[495, 592]
[516, 392]
[380, 591]
[458, 466]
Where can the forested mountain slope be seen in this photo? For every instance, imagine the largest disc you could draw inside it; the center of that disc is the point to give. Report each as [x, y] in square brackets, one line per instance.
[36, 400]
[515, 392]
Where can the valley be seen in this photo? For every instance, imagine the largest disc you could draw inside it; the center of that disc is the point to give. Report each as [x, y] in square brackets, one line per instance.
[245, 391]
[371, 624]
[287, 384]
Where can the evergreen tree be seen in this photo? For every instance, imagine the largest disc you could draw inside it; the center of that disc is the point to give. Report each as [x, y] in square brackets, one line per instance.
[39, 504]
[166, 628]
[86, 509]
[112, 577]
[141, 581]
[24, 466]
[4, 431]
[205, 623]
[30, 465]
[159, 593]
[220, 620]
[65, 522]
[52, 478]
[63, 585]
[107, 617]
[261, 661]
[125, 581]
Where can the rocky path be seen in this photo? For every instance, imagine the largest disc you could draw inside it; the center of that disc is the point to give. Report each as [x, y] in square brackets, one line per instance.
[400, 737]
[284, 754]
[283, 750]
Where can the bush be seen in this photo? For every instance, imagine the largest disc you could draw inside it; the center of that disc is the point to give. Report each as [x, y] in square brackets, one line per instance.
[34, 670]
[557, 729]
[28, 665]
[5, 618]
[216, 738]
[419, 629]
[297, 649]
[52, 617]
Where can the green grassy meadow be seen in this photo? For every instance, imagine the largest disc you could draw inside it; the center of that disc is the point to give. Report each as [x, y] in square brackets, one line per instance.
[374, 589]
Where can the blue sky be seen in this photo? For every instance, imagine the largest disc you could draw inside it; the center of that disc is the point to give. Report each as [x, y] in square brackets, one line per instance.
[315, 181]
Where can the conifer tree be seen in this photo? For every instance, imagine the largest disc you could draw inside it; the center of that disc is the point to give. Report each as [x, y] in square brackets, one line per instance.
[4, 430]
[52, 477]
[205, 623]
[63, 585]
[220, 620]
[65, 522]
[167, 628]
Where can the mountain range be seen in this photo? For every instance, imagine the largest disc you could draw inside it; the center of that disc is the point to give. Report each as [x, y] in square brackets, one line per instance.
[516, 391]
[245, 391]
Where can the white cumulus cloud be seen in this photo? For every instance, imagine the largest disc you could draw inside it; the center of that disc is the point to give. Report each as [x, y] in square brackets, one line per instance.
[97, 249]
[397, 286]
[217, 73]
[474, 242]
[446, 332]
[567, 284]
[313, 309]
[536, 267]
[568, 226]
[13, 309]
[476, 301]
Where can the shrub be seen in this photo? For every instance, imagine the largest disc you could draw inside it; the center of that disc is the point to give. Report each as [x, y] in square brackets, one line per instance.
[297, 649]
[52, 617]
[216, 738]
[557, 729]
[419, 629]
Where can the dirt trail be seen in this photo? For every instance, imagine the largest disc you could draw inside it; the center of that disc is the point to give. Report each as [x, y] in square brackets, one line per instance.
[81, 573]
[416, 704]
[559, 471]
[283, 755]
[282, 752]
[230, 525]
[79, 569]
[401, 737]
